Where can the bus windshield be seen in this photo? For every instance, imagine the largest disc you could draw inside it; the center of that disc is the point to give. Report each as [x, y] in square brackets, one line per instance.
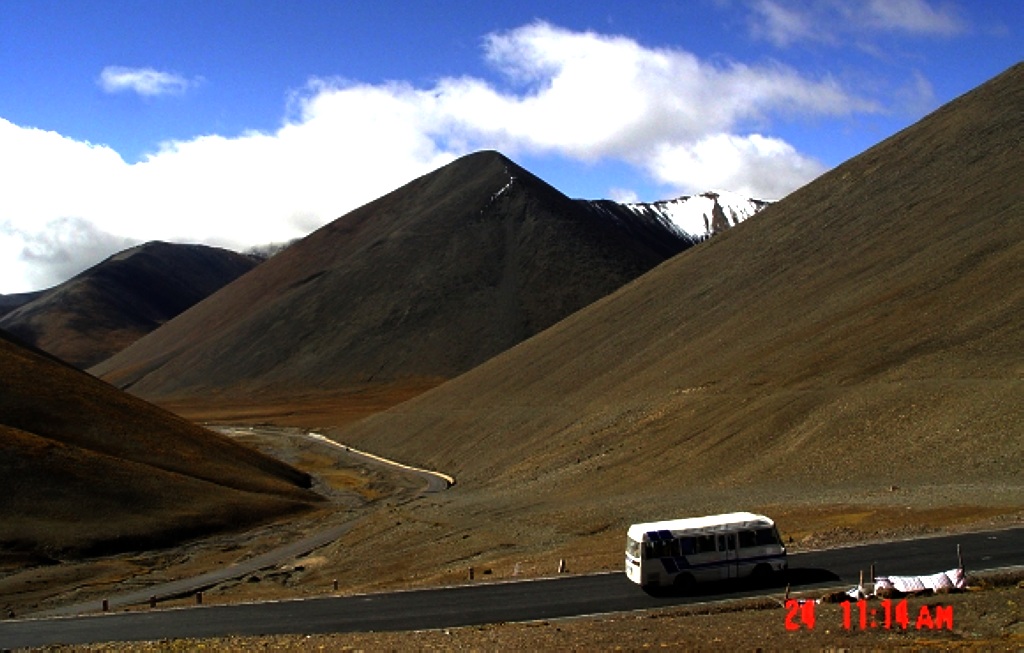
[632, 548]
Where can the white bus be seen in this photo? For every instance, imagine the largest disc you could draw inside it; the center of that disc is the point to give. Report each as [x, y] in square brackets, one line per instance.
[683, 552]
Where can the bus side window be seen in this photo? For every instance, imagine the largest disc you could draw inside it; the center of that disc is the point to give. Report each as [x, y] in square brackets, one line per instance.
[706, 543]
[727, 542]
[747, 539]
[660, 549]
[687, 546]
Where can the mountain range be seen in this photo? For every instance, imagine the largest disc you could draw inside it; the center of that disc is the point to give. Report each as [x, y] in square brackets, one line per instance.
[412, 289]
[858, 344]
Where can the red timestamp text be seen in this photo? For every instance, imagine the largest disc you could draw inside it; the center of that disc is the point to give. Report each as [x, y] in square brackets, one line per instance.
[861, 615]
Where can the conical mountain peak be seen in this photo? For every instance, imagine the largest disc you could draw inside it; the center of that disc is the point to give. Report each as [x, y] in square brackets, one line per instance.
[421, 284]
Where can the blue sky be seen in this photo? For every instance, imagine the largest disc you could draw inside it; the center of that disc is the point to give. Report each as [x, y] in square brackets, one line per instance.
[237, 123]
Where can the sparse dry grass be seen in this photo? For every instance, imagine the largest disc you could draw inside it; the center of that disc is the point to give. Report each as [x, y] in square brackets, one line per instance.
[314, 410]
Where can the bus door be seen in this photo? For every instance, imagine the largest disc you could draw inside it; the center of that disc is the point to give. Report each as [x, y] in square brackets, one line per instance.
[728, 547]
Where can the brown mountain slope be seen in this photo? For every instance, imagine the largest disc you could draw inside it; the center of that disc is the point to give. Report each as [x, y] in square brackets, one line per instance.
[421, 284]
[87, 468]
[863, 333]
[117, 301]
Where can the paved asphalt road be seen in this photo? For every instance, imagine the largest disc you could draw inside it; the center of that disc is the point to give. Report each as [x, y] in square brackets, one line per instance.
[496, 602]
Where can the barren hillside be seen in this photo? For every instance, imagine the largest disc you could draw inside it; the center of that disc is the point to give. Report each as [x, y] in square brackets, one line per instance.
[861, 341]
[86, 469]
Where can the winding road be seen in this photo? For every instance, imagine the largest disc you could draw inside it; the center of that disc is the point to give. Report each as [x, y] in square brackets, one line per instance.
[433, 482]
[498, 602]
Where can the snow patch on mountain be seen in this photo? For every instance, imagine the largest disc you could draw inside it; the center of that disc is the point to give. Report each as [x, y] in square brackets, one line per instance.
[504, 188]
[698, 217]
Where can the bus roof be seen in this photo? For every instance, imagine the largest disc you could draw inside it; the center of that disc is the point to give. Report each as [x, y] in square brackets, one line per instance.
[700, 525]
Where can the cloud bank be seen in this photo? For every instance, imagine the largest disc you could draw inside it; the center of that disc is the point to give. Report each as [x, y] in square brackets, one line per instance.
[688, 124]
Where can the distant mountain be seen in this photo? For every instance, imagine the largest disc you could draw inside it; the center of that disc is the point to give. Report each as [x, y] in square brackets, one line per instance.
[694, 218]
[415, 287]
[10, 302]
[87, 469]
[263, 252]
[107, 307]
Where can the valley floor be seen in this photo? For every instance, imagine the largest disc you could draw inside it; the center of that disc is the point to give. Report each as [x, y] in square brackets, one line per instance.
[455, 530]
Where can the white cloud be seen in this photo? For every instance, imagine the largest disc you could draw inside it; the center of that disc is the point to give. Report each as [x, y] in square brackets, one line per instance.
[912, 16]
[592, 96]
[754, 166]
[916, 97]
[46, 175]
[782, 25]
[689, 124]
[835, 22]
[623, 195]
[144, 81]
[57, 251]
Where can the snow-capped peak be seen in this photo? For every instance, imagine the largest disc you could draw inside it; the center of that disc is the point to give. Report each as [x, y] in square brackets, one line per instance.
[701, 216]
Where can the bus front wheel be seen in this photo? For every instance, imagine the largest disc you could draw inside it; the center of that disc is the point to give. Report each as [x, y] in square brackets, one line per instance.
[685, 583]
[762, 575]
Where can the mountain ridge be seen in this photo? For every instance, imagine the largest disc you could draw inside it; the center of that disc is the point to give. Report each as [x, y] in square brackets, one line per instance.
[95, 314]
[436, 277]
